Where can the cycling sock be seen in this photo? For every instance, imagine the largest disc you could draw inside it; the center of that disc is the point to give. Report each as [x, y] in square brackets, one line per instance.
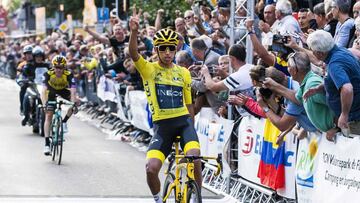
[47, 141]
[66, 118]
[157, 198]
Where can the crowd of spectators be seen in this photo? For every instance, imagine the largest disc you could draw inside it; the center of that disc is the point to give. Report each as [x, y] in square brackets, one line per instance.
[306, 74]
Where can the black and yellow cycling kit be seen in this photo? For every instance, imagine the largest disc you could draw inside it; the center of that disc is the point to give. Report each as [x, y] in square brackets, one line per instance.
[168, 91]
[58, 85]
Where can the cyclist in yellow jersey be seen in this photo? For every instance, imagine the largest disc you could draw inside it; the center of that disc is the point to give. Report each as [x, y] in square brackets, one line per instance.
[168, 90]
[57, 81]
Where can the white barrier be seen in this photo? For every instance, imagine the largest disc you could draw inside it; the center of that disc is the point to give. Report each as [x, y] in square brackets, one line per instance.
[321, 165]
[324, 166]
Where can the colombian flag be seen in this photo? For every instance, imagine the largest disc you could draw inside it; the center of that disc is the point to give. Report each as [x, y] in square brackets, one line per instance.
[272, 168]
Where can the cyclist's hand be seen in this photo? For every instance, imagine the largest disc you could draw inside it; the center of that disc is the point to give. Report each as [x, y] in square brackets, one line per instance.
[134, 20]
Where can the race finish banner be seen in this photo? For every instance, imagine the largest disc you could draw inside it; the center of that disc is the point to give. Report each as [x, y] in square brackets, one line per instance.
[250, 145]
[336, 170]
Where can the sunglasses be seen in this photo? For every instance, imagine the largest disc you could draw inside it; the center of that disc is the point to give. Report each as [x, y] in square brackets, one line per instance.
[166, 47]
[293, 57]
[187, 17]
[59, 67]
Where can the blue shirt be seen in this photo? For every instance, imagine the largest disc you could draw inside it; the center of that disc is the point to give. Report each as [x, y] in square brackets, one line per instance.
[298, 111]
[342, 68]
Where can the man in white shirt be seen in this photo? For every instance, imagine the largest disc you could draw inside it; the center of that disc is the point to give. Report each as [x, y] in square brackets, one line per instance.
[239, 80]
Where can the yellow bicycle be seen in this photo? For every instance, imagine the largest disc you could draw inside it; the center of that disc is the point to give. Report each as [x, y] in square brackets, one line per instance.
[180, 185]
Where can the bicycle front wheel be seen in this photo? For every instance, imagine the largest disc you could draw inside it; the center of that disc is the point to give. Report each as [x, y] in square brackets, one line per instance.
[171, 199]
[60, 141]
[194, 193]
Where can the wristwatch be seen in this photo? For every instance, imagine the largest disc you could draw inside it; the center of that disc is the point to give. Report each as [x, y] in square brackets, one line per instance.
[266, 109]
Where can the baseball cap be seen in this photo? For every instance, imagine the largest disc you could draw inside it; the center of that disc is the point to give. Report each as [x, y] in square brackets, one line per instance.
[224, 3]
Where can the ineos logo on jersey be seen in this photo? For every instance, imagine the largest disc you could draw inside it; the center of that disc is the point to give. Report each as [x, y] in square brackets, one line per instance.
[169, 96]
[169, 93]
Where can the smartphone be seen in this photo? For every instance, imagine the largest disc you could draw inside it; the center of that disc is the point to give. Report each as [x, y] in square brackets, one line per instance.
[234, 92]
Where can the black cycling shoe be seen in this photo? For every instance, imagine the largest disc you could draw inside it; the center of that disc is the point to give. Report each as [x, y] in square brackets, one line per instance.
[24, 121]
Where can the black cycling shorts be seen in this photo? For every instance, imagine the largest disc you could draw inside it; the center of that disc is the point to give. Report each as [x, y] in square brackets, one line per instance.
[165, 133]
[64, 93]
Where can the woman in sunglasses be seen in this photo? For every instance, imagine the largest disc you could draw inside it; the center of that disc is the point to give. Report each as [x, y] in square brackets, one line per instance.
[168, 90]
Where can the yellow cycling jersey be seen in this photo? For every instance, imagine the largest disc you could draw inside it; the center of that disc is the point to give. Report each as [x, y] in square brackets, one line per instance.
[168, 90]
[59, 83]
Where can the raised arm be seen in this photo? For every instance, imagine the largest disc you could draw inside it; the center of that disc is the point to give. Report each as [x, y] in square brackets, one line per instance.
[97, 36]
[134, 29]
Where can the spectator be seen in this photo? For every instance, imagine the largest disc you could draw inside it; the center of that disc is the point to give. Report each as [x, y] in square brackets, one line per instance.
[342, 81]
[304, 20]
[283, 13]
[356, 9]
[320, 17]
[183, 59]
[340, 10]
[180, 27]
[239, 80]
[269, 17]
[202, 53]
[193, 24]
[293, 112]
[319, 113]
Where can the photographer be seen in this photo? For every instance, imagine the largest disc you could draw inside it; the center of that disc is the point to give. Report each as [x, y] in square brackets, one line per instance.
[315, 106]
[293, 112]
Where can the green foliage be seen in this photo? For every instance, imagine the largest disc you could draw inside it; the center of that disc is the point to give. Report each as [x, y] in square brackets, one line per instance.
[169, 6]
[75, 7]
[13, 5]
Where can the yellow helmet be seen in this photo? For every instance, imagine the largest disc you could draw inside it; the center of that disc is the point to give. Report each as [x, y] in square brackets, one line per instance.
[166, 37]
[59, 60]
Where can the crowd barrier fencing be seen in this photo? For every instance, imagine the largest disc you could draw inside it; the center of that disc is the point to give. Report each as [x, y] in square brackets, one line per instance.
[311, 166]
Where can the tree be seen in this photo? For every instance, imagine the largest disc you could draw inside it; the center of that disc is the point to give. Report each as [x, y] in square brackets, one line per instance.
[170, 6]
[14, 4]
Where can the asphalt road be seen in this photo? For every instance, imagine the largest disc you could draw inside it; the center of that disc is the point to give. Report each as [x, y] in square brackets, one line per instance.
[93, 168]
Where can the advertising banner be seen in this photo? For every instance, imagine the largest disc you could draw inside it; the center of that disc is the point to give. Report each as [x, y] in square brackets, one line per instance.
[138, 111]
[250, 145]
[40, 18]
[306, 166]
[213, 132]
[338, 171]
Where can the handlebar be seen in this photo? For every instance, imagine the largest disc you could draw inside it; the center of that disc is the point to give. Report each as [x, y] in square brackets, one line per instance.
[61, 101]
[191, 158]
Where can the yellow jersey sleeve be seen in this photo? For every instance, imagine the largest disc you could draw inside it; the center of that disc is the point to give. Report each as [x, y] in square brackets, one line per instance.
[144, 67]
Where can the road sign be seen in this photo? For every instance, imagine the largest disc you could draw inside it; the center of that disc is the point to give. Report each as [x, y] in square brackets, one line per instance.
[103, 15]
[63, 27]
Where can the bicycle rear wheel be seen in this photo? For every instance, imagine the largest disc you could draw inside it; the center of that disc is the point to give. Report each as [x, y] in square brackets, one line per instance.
[194, 192]
[168, 180]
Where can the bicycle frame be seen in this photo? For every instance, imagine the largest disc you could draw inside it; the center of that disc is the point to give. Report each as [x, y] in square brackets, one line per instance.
[181, 191]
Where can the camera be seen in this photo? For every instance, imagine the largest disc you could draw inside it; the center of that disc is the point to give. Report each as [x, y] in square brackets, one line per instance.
[212, 70]
[278, 45]
[265, 92]
[277, 38]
